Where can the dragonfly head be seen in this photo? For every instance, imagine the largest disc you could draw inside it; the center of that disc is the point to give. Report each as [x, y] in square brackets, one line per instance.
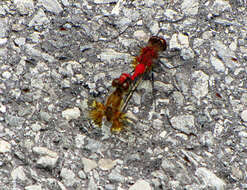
[158, 43]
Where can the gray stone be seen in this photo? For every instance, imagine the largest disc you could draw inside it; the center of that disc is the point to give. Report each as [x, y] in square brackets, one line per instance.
[167, 165]
[48, 158]
[220, 6]
[3, 27]
[92, 185]
[93, 145]
[187, 53]
[172, 15]
[115, 176]
[45, 116]
[225, 54]
[244, 98]
[195, 159]
[182, 82]
[178, 98]
[20, 41]
[163, 87]
[24, 6]
[110, 187]
[80, 140]
[30, 50]
[236, 173]
[82, 174]
[39, 19]
[68, 177]
[207, 139]
[200, 84]
[14, 121]
[184, 123]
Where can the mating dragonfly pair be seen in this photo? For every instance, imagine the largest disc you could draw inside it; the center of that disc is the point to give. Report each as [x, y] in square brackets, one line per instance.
[113, 109]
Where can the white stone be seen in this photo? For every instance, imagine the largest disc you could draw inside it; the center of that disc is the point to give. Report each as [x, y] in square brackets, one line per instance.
[2, 108]
[217, 64]
[18, 174]
[179, 41]
[72, 113]
[106, 164]
[35, 127]
[51, 5]
[4, 146]
[154, 27]
[88, 164]
[104, 1]
[6, 74]
[116, 10]
[33, 187]
[48, 159]
[44, 151]
[140, 185]
[3, 41]
[244, 115]
[110, 55]
[47, 162]
[210, 178]
[190, 7]
[218, 129]
[163, 134]
[140, 35]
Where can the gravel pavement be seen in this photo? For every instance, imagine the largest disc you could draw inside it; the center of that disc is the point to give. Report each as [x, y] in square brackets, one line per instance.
[189, 132]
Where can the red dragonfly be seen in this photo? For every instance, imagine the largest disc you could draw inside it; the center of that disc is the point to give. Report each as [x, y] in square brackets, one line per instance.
[115, 105]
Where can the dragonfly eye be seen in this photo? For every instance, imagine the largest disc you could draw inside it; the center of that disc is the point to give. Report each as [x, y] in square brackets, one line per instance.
[125, 85]
[115, 82]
